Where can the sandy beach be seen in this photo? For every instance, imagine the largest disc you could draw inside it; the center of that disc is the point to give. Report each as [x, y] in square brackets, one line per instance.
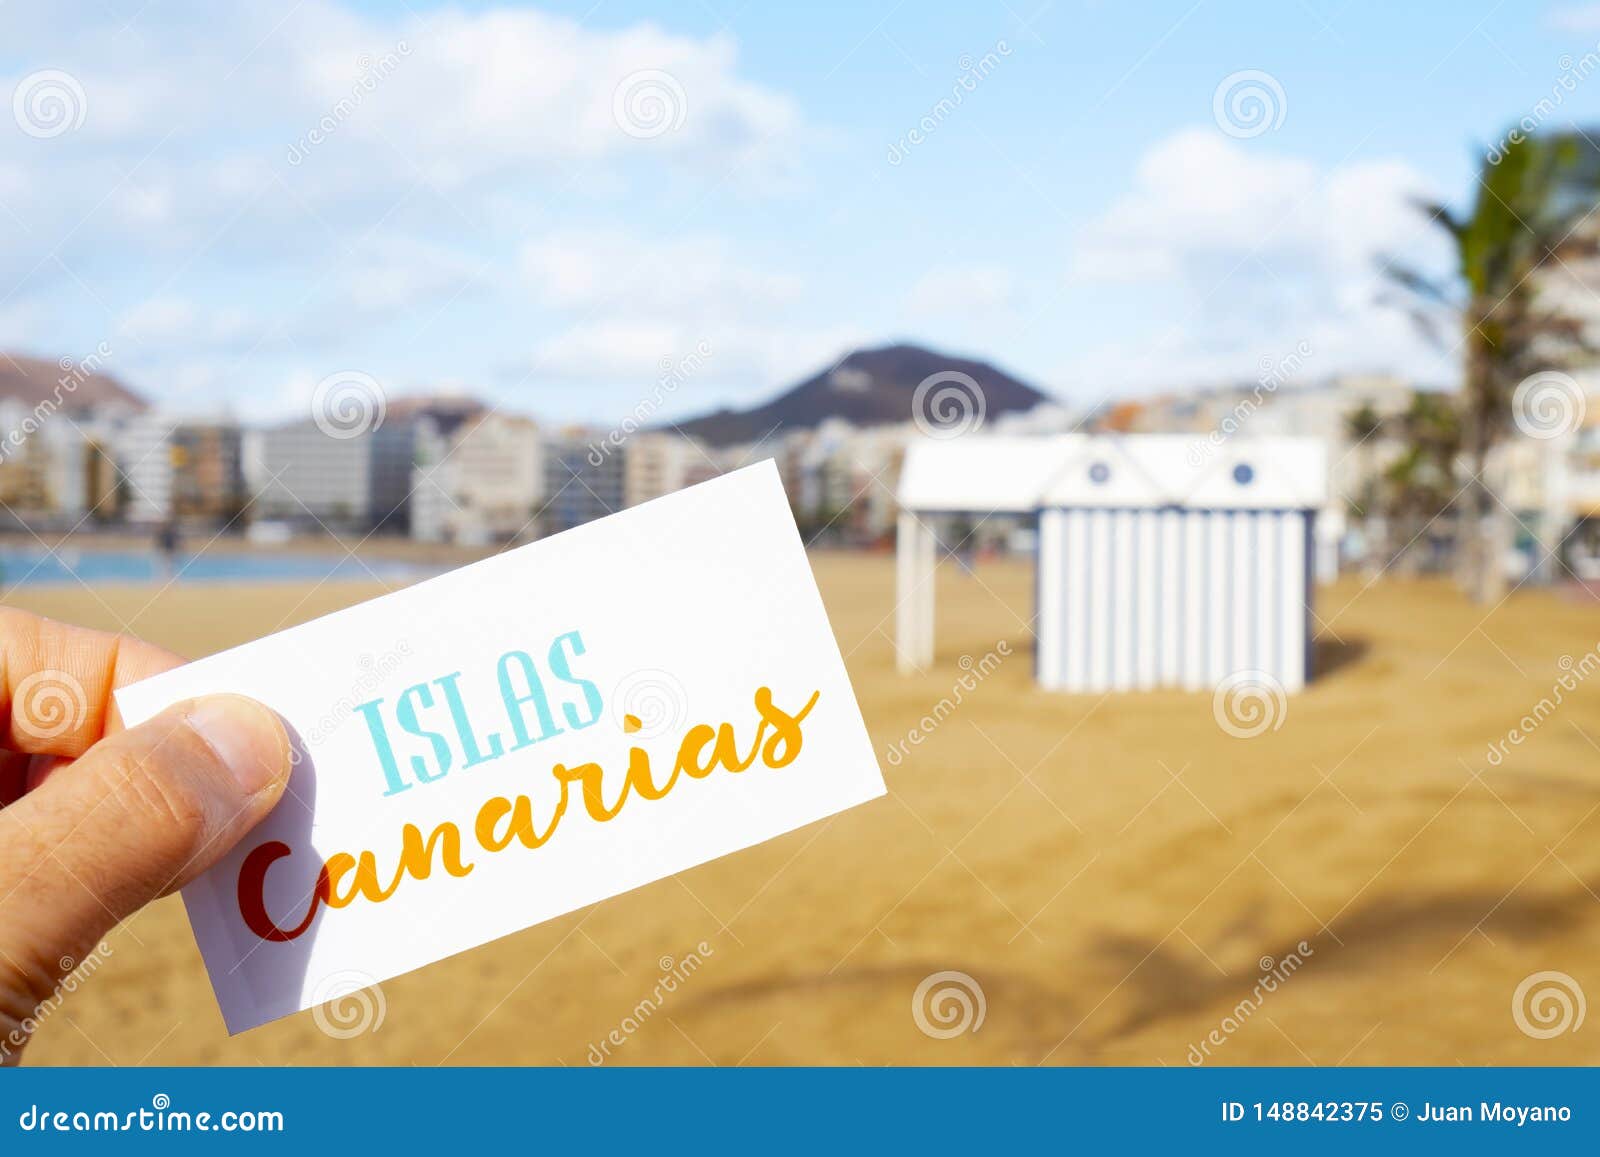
[1117, 874]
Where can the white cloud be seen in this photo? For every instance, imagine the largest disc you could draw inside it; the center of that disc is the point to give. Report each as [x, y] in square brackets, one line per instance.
[613, 350]
[442, 138]
[587, 268]
[474, 92]
[20, 324]
[1574, 18]
[961, 290]
[469, 91]
[632, 301]
[293, 399]
[199, 119]
[617, 350]
[386, 276]
[1241, 253]
[180, 322]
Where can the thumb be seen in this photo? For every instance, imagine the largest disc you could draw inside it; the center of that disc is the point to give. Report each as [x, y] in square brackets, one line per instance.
[143, 812]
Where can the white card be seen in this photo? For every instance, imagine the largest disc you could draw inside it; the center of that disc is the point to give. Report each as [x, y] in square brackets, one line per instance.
[425, 706]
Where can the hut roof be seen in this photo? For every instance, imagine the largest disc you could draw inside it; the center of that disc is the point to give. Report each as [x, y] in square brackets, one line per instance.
[1005, 474]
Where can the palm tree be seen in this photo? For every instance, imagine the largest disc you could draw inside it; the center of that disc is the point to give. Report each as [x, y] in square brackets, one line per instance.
[1361, 426]
[1418, 487]
[1528, 215]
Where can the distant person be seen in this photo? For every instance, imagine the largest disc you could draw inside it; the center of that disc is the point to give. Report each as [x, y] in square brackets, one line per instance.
[965, 551]
[168, 539]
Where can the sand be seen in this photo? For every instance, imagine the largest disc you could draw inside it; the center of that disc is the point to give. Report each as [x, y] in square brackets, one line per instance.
[1114, 873]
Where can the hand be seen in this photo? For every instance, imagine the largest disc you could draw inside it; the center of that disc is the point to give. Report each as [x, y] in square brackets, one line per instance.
[99, 820]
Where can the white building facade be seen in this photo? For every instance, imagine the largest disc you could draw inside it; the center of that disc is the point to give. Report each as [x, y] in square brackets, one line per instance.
[304, 474]
[478, 483]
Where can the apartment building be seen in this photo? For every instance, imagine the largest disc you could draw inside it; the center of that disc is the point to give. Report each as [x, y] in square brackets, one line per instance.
[477, 481]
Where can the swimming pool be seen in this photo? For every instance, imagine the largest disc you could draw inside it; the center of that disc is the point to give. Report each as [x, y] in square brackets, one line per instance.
[38, 567]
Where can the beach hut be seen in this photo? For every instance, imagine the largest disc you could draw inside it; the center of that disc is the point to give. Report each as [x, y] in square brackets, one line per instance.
[1164, 560]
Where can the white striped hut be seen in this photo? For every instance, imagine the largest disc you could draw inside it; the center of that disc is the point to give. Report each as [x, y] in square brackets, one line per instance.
[1163, 560]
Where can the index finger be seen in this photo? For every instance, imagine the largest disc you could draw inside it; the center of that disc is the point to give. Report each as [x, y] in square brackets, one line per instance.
[56, 682]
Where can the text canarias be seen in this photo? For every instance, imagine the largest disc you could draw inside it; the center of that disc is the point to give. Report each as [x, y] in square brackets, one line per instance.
[500, 822]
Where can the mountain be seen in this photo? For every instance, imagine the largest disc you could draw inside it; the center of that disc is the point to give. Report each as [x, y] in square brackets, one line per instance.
[870, 387]
[73, 386]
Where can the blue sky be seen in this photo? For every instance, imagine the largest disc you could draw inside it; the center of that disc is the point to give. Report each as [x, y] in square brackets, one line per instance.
[480, 219]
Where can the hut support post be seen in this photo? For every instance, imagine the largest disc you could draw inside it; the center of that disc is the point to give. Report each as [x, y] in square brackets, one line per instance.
[914, 566]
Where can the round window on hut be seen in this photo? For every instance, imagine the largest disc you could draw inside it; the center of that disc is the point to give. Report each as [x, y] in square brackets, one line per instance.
[1243, 474]
[1098, 473]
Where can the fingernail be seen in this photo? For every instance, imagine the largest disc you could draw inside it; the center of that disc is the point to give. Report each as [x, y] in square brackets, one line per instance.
[248, 739]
